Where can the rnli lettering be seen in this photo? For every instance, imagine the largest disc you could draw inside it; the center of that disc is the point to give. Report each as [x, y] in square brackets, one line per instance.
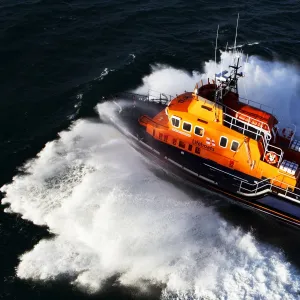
[200, 144]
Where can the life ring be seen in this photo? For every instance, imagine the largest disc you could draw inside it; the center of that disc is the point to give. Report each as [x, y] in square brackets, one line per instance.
[271, 158]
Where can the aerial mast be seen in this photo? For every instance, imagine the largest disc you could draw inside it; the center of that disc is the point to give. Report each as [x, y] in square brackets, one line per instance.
[236, 65]
[236, 31]
[216, 62]
[216, 47]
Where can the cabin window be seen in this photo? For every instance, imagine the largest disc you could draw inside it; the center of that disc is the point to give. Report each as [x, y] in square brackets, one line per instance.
[165, 138]
[234, 146]
[199, 131]
[160, 136]
[223, 141]
[190, 147]
[187, 126]
[174, 142]
[181, 144]
[175, 121]
[197, 150]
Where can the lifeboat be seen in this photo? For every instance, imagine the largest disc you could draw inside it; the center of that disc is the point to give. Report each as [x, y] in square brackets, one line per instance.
[215, 139]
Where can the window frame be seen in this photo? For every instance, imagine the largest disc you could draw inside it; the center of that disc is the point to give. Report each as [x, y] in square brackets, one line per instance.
[237, 146]
[176, 118]
[222, 136]
[187, 123]
[201, 128]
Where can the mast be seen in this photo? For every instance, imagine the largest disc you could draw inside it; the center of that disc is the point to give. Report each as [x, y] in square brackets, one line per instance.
[236, 31]
[216, 87]
[228, 82]
[216, 62]
[236, 65]
[216, 47]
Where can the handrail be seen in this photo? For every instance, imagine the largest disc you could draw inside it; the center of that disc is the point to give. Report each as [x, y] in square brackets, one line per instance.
[240, 127]
[140, 97]
[167, 96]
[294, 132]
[265, 186]
[256, 184]
[260, 132]
[266, 179]
[250, 118]
[289, 191]
[261, 105]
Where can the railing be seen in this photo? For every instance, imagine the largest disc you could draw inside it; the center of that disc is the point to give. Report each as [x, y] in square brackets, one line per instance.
[233, 123]
[267, 185]
[250, 119]
[155, 95]
[294, 133]
[159, 98]
[292, 128]
[259, 131]
[261, 106]
[264, 186]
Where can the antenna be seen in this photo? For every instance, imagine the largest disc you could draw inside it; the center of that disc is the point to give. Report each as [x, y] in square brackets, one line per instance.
[216, 47]
[216, 63]
[236, 30]
[216, 90]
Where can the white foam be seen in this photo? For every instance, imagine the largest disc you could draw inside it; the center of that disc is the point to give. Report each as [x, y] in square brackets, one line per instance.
[104, 73]
[242, 45]
[112, 215]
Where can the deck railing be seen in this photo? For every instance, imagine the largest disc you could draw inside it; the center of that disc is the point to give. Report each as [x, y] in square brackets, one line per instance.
[293, 128]
[265, 135]
[268, 185]
[231, 112]
[153, 97]
[258, 105]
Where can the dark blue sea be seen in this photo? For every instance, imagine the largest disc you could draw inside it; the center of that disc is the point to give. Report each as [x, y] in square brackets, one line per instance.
[83, 215]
